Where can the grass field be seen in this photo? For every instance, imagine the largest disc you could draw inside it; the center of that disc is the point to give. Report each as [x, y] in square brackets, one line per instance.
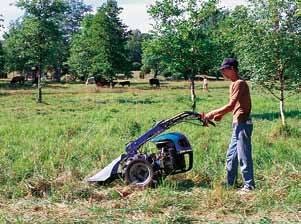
[47, 151]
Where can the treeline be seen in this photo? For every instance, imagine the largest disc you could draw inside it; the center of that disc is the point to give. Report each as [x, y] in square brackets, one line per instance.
[189, 37]
[64, 36]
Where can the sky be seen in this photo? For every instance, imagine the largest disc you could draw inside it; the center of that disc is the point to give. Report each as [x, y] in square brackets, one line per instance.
[134, 13]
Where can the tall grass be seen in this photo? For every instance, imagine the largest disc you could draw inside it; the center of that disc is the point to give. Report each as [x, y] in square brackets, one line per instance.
[48, 149]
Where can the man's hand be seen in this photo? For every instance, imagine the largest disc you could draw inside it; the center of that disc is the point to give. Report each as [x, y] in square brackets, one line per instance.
[217, 117]
[209, 116]
[213, 116]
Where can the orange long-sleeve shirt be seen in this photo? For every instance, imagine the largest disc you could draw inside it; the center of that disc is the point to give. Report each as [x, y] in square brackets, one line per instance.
[239, 104]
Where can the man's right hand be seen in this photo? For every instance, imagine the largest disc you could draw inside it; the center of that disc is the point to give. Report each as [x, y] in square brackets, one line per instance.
[213, 116]
[217, 117]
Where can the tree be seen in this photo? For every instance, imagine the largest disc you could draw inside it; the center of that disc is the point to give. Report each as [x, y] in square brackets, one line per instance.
[80, 50]
[1, 50]
[53, 23]
[109, 37]
[74, 13]
[14, 46]
[134, 47]
[152, 57]
[229, 33]
[104, 38]
[269, 46]
[182, 29]
[2, 73]
[41, 31]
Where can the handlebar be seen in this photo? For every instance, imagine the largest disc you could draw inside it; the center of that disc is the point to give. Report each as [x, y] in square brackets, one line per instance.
[206, 121]
[184, 116]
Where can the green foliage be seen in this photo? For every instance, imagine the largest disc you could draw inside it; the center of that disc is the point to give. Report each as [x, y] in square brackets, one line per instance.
[102, 42]
[268, 45]
[42, 37]
[134, 47]
[153, 57]
[13, 45]
[80, 53]
[273, 29]
[1, 50]
[183, 40]
[69, 25]
[2, 60]
[36, 40]
[75, 11]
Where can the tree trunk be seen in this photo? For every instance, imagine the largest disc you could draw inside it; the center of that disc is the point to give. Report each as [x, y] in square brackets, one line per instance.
[40, 54]
[58, 73]
[192, 92]
[282, 113]
[39, 86]
[282, 99]
[39, 89]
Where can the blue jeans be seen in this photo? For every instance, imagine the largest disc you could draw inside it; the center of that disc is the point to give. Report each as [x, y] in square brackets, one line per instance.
[240, 152]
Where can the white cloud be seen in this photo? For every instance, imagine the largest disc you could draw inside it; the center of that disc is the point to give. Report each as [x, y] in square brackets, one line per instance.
[9, 12]
[135, 16]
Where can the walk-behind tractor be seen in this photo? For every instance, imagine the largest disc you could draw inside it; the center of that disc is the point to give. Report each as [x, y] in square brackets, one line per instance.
[174, 154]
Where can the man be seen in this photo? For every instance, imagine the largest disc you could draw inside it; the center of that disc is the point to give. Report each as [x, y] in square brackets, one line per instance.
[240, 148]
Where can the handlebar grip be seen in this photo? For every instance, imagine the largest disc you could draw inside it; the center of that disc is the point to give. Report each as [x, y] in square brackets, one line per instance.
[211, 122]
[205, 120]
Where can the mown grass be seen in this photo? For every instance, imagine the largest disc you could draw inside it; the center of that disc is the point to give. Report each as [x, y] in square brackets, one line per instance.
[47, 151]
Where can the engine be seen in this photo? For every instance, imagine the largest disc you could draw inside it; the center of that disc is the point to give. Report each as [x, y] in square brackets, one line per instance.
[168, 159]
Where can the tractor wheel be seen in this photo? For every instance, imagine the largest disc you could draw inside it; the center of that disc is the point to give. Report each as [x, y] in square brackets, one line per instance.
[139, 172]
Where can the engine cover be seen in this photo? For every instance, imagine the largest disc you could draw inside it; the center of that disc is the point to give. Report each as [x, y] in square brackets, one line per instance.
[179, 140]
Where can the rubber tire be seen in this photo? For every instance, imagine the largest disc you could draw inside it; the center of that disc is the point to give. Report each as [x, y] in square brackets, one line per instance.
[127, 173]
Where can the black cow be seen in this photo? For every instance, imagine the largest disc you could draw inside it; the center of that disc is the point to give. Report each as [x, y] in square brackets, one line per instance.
[103, 83]
[18, 79]
[125, 83]
[154, 81]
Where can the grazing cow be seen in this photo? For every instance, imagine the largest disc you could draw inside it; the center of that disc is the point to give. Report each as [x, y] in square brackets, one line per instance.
[102, 83]
[105, 83]
[18, 79]
[90, 80]
[125, 83]
[154, 81]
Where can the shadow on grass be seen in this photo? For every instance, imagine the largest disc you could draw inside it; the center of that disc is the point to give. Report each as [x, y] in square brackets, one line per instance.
[8, 86]
[4, 94]
[55, 85]
[28, 85]
[276, 115]
[69, 82]
[200, 88]
[130, 101]
[188, 184]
